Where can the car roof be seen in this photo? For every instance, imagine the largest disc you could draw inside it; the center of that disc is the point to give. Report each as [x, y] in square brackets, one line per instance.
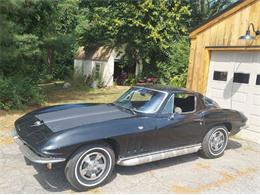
[167, 88]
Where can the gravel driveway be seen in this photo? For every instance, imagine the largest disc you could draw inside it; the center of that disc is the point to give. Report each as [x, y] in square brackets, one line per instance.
[238, 171]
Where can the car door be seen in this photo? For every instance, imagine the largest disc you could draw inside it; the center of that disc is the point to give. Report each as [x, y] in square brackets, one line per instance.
[177, 128]
[139, 138]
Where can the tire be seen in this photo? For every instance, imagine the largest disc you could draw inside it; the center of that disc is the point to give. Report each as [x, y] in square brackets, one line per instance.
[90, 166]
[214, 148]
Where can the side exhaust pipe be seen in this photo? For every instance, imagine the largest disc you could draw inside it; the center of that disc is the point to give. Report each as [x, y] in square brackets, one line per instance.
[155, 156]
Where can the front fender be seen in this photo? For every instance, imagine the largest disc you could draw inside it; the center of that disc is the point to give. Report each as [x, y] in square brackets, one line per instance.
[64, 143]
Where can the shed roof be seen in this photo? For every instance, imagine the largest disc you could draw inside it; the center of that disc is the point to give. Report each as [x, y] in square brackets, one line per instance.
[94, 53]
[221, 15]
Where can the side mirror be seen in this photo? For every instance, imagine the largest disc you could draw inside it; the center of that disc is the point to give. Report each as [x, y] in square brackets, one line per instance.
[172, 116]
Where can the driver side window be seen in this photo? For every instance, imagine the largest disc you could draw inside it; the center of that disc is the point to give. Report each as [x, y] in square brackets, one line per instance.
[181, 103]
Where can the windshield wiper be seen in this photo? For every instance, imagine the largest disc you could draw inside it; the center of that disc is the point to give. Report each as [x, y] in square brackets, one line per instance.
[130, 109]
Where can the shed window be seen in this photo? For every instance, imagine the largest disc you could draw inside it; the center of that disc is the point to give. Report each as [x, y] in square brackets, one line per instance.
[97, 69]
[220, 76]
[241, 78]
[258, 79]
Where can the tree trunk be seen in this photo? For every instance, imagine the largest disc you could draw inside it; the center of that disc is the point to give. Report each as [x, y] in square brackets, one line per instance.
[50, 60]
[138, 67]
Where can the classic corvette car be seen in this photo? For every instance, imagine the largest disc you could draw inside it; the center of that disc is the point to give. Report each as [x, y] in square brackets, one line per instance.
[147, 123]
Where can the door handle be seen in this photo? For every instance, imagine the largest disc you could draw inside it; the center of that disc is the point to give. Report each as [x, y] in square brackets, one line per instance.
[198, 120]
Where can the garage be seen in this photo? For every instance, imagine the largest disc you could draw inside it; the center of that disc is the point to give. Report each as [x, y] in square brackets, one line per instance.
[234, 82]
[224, 62]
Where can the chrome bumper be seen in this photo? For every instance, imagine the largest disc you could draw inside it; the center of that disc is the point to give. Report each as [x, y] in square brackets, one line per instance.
[31, 155]
[244, 126]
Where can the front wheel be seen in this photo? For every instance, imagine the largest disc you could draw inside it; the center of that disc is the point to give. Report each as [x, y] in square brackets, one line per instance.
[215, 142]
[90, 166]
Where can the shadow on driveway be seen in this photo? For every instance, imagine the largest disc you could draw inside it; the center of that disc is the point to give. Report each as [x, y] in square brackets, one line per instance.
[55, 181]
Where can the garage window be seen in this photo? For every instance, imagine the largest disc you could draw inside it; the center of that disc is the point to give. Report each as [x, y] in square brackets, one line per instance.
[258, 79]
[241, 78]
[220, 76]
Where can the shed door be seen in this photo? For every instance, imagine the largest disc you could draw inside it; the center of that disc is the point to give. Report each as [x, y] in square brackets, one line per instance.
[234, 82]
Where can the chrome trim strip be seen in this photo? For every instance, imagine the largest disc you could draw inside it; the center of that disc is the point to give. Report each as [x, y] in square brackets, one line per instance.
[31, 155]
[159, 155]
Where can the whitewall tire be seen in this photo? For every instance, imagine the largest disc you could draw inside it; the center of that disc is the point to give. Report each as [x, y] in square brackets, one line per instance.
[90, 166]
[215, 142]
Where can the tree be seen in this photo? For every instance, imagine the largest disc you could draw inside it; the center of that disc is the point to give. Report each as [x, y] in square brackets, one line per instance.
[37, 42]
[145, 29]
[201, 10]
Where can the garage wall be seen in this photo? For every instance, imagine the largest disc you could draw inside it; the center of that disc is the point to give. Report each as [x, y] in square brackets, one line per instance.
[223, 31]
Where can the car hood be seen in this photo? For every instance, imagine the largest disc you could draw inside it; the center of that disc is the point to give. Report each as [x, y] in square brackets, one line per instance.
[36, 127]
[63, 117]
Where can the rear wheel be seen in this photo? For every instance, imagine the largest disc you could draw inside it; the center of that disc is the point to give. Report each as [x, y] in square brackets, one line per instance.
[215, 142]
[90, 166]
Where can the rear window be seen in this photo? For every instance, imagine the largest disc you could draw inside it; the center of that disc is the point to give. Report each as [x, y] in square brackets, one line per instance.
[209, 102]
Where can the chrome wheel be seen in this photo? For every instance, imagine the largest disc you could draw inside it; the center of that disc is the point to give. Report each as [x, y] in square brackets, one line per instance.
[92, 166]
[217, 141]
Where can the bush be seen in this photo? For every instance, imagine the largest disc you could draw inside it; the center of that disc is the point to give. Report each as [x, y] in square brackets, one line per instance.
[16, 92]
[174, 70]
[179, 80]
[131, 80]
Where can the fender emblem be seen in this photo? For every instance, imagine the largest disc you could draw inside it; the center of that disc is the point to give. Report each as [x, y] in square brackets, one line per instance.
[37, 123]
[140, 127]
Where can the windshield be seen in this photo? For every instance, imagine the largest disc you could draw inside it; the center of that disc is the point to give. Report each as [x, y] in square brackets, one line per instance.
[141, 99]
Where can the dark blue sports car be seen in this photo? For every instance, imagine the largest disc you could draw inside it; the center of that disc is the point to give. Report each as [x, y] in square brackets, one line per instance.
[147, 123]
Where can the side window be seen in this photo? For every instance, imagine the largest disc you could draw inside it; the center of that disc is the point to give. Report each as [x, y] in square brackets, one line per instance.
[257, 79]
[183, 101]
[186, 102]
[241, 78]
[220, 76]
[169, 106]
[209, 102]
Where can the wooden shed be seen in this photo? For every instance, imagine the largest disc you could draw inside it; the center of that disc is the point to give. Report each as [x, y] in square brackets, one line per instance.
[225, 66]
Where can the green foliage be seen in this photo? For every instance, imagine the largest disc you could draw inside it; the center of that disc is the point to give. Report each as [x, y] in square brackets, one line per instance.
[40, 35]
[201, 10]
[18, 91]
[38, 39]
[131, 80]
[179, 80]
[145, 29]
[174, 71]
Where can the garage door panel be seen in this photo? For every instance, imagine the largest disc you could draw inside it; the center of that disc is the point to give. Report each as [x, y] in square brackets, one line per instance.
[240, 97]
[254, 120]
[217, 93]
[236, 86]
[256, 100]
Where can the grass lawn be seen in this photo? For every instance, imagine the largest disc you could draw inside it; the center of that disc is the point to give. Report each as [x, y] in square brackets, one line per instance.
[57, 95]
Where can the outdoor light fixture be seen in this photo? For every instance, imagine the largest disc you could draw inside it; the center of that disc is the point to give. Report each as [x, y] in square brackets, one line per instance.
[247, 36]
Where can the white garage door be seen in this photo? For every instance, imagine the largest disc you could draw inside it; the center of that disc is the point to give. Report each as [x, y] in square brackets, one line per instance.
[234, 82]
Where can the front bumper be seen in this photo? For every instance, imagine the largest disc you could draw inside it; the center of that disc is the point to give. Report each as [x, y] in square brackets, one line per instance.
[31, 155]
